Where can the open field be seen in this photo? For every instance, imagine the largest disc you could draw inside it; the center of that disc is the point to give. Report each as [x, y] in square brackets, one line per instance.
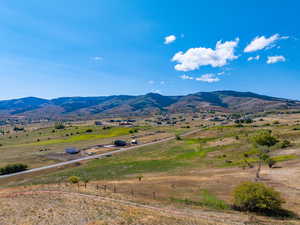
[44, 145]
[195, 174]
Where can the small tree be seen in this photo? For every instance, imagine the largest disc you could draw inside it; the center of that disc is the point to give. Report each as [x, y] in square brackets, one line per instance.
[140, 177]
[263, 141]
[257, 197]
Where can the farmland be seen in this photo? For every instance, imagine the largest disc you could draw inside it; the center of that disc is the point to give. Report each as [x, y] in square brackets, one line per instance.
[194, 172]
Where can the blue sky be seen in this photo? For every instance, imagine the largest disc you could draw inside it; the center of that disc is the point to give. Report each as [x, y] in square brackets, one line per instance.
[104, 47]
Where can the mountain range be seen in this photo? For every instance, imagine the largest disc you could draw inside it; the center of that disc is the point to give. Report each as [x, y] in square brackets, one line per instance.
[126, 105]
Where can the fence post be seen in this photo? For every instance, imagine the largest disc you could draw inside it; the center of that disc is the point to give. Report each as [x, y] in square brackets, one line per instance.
[154, 195]
[115, 189]
[132, 193]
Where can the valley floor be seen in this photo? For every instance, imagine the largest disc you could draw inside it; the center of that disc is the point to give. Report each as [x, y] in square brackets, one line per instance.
[126, 201]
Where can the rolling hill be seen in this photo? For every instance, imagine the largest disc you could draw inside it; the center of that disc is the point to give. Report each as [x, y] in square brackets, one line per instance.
[125, 105]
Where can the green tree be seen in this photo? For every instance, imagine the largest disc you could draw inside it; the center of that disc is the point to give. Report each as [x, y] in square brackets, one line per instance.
[263, 141]
[257, 197]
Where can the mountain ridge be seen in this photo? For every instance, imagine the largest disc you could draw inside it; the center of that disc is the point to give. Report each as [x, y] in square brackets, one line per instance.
[128, 105]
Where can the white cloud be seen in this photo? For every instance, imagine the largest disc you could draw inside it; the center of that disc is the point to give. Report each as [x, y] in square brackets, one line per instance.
[254, 58]
[151, 82]
[194, 58]
[209, 77]
[169, 39]
[186, 77]
[221, 73]
[275, 59]
[259, 43]
[156, 91]
[97, 58]
[284, 37]
[162, 82]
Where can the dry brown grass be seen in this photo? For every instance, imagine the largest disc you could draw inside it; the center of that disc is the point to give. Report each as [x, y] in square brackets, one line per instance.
[41, 208]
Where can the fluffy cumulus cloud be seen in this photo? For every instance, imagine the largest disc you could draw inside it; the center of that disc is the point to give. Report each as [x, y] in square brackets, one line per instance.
[194, 58]
[151, 82]
[275, 59]
[209, 78]
[254, 58]
[169, 39]
[259, 43]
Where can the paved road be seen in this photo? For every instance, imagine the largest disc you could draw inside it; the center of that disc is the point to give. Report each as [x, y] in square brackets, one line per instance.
[94, 156]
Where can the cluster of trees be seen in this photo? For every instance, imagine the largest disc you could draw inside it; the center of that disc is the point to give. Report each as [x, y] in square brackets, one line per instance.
[245, 120]
[13, 168]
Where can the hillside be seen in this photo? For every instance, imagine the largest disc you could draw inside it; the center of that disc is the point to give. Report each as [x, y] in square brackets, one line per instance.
[124, 105]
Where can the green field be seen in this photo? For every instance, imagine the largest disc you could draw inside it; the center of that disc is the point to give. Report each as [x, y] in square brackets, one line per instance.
[34, 145]
[196, 151]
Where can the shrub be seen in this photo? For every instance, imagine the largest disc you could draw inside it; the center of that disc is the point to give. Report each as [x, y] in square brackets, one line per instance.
[74, 179]
[285, 144]
[14, 168]
[178, 137]
[257, 197]
[89, 131]
[133, 131]
[59, 126]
